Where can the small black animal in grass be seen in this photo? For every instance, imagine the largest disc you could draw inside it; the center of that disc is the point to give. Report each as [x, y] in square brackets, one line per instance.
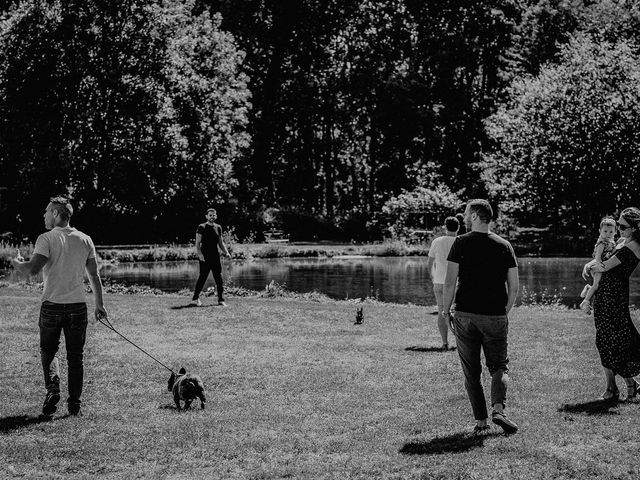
[359, 317]
[186, 387]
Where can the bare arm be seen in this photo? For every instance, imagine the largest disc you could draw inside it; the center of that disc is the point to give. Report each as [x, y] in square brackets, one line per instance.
[222, 246]
[32, 267]
[513, 285]
[430, 261]
[450, 281]
[598, 253]
[449, 290]
[586, 270]
[96, 287]
[199, 247]
[605, 266]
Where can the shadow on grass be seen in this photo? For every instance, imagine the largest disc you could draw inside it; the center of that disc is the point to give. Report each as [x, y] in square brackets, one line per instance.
[456, 443]
[189, 305]
[172, 406]
[592, 407]
[15, 422]
[428, 349]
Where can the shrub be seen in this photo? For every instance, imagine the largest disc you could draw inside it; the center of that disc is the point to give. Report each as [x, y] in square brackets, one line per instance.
[543, 298]
[8, 251]
[419, 208]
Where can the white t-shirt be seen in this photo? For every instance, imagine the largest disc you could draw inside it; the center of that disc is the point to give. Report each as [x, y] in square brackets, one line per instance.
[68, 250]
[439, 250]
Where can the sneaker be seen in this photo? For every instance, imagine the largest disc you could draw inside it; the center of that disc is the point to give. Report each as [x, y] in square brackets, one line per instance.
[197, 302]
[611, 395]
[585, 290]
[221, 303]
[500, 419]
[50, 402]
[481, 428]
[74, 410]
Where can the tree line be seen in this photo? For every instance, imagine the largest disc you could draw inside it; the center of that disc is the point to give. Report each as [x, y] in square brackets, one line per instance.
[328, 119]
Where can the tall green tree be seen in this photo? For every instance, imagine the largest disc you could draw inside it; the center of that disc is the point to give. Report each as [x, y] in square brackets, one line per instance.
[566, 146]
[544, 26]
[462, 49]
[127, 106]
[359, 100]
[612, 20]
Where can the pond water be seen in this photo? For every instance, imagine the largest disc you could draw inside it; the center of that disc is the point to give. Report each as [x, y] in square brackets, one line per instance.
[389, 279]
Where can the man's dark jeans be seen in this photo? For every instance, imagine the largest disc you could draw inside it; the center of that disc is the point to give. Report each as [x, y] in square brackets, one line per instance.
[489, 332]
[210, 264]
[70, 318]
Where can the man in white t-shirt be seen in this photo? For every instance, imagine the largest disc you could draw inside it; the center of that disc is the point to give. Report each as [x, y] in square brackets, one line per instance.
[63, 254]
[437, 266]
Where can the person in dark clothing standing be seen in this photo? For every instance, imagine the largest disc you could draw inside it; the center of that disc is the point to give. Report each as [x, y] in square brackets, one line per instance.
[208, 239]
[484, 267]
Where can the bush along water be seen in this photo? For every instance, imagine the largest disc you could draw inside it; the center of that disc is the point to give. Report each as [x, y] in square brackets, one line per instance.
[9, 251]
[177, 253]
[544, 298]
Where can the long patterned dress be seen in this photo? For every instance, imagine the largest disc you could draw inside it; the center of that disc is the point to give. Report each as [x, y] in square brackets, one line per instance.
[617, 339]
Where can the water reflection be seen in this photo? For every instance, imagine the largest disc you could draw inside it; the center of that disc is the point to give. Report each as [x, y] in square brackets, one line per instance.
[397, 279]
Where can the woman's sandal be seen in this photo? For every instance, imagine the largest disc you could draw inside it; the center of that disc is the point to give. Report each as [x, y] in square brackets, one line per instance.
[633, 390]
[611, 395]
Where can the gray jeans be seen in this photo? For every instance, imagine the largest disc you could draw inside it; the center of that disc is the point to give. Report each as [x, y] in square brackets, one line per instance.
[489, 332]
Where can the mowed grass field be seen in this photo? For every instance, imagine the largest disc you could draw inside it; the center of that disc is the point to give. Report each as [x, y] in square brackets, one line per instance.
[296, 390]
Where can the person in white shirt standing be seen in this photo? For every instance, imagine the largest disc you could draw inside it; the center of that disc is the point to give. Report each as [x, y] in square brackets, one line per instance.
[63, 254]
[437, 267]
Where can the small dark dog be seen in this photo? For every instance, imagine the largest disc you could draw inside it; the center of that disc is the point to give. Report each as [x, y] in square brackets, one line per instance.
[186, 387]
[359, 317]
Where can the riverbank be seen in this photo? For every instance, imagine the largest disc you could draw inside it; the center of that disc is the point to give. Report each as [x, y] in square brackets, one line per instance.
[247, 251]
[296, 390]
[240, 251]
[269, 250]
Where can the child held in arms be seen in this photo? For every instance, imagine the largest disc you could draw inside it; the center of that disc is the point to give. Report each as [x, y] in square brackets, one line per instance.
[603, 249]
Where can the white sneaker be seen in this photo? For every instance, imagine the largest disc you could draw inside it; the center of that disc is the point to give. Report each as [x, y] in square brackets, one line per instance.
[222, 304]
[196, 302]
[585, 290]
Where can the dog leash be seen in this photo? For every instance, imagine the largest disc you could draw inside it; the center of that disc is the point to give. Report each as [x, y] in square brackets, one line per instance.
[105, 321]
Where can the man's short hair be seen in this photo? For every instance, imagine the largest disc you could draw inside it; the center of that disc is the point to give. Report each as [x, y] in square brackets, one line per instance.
[62, 206]
[211, 210]
[451, 224]
[482, 208]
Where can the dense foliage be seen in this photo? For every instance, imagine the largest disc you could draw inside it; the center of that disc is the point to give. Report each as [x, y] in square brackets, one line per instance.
[148, 111]
[422, 206]
[568, 143]
[134, 108]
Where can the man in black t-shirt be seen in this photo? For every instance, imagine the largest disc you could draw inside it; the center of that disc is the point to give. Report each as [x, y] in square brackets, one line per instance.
[208, 239]
[484, 267]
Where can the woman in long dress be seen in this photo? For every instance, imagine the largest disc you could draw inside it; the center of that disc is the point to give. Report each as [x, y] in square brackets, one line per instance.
[617, 339]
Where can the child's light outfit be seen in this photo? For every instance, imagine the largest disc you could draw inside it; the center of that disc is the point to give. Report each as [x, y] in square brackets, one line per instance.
[609, 248]
[607, 252]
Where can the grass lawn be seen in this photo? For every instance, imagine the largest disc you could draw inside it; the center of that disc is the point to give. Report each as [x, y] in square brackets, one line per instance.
[296, 390]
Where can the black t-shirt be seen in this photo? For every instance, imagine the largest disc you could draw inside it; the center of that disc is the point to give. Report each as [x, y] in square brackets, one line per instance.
[483, 260]
[210, 236]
